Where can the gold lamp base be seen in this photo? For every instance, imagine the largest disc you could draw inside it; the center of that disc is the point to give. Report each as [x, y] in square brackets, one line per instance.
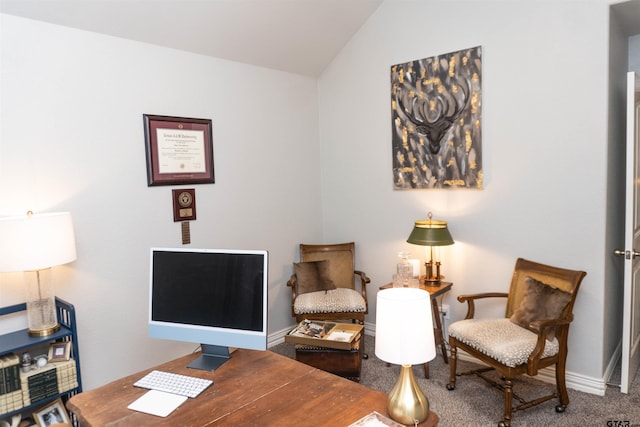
[431, 281]
[44, 332]
[433, 277]
[407, 403]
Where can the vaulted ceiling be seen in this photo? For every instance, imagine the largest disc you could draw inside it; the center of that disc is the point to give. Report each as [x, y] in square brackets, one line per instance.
[297, 36]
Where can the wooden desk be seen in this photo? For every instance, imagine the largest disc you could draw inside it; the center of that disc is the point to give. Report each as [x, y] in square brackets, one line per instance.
[259, 388]
[434, 292]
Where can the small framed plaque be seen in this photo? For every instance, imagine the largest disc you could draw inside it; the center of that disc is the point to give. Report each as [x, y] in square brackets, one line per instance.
[184, 204]
[179, 150]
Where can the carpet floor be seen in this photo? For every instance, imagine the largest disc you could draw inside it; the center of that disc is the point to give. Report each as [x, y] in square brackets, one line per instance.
[475, 403]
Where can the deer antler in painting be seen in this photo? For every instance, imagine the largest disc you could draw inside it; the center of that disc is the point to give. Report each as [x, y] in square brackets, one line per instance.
[429, 105]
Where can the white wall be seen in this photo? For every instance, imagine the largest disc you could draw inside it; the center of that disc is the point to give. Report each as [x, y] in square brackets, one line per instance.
[544, 148]
[72, 139]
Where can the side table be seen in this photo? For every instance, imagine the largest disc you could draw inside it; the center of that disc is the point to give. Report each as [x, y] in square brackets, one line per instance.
[434, 291]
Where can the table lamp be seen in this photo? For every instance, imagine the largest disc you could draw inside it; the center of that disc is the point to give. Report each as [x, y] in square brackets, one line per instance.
[34, 243]
[431, 232]
[404, 336]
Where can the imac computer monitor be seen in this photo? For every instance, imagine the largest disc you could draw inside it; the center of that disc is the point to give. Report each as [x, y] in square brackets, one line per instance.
[217, 298]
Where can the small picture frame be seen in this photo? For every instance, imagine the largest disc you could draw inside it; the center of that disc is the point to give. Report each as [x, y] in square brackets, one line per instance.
[59, 351]
[52, 414]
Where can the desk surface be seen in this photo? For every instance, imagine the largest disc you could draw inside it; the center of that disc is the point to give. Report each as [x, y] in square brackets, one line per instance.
[252, 388]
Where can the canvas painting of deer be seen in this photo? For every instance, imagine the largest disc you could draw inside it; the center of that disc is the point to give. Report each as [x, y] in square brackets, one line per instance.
[436, 106]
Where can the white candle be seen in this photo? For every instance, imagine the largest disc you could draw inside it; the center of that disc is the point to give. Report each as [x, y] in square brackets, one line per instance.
[416, 267]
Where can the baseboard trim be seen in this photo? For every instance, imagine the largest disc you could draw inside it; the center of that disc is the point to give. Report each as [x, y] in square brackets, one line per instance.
[611, 366]
[278, 337]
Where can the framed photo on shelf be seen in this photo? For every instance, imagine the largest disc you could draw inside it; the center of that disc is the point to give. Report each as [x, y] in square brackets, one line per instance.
[52, 414]
[59, 351]
[179, 150]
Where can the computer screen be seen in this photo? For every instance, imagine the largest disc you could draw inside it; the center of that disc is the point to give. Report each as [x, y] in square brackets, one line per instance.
[215, 297]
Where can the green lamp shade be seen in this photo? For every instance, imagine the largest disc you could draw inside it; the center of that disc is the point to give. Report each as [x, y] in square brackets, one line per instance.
[430, 232]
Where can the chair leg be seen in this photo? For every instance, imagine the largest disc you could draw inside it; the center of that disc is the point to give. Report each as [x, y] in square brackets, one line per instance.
[453, 358]
[563, 396]
[365, 356]
[508, 401]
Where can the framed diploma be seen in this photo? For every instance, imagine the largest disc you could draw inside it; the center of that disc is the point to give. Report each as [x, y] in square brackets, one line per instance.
[179, 150]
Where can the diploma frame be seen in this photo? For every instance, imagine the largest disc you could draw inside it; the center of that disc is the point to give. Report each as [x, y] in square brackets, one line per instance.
[179, 150]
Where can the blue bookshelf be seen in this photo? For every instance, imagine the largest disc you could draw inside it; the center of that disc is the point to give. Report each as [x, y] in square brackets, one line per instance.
[20, 341]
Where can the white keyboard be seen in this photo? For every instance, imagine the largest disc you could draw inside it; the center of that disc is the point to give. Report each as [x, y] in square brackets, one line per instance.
[182, 385]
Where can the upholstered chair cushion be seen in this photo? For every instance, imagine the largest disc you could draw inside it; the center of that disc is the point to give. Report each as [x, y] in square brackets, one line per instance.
[332, 301]
[488, 337]
[540, 302]
[313, 276]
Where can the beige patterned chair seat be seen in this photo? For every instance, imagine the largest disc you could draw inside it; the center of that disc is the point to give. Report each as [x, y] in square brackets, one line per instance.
[487, 336]
[332, 301]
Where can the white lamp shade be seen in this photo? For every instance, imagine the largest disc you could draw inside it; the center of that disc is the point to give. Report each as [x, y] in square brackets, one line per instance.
[35, 242]
[404, 326]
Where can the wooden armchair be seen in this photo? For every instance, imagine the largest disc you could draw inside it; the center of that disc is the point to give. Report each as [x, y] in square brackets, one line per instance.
[343, 301]
[532, 336]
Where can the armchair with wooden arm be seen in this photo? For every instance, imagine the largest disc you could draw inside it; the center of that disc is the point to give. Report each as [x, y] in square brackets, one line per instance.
[532, 335]
[345, 301]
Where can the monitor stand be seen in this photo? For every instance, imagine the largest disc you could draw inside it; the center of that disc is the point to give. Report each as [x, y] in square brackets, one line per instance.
[212, 357]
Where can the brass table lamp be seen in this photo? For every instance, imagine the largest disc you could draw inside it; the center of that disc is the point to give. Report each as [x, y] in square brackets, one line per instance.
[404, 336]
[431, 232]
